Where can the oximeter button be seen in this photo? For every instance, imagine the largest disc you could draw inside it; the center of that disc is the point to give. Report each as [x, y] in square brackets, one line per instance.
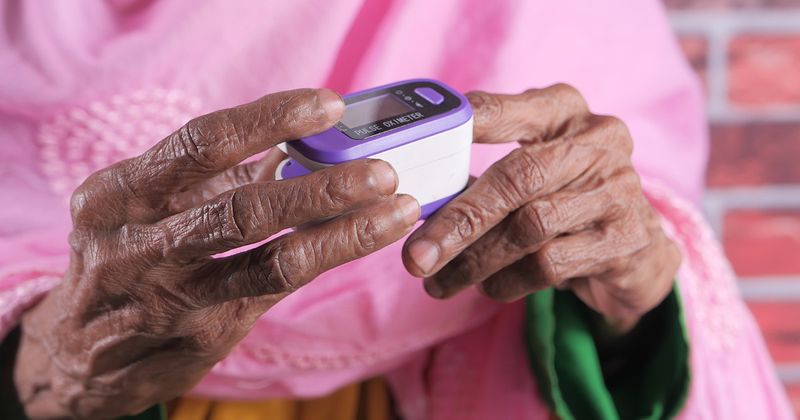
[430, 95]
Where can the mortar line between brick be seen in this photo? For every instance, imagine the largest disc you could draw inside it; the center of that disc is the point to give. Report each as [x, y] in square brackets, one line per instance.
[717, 70]
[760, 197]
[742, 21]
[770, 289]
[789, 373]
[714, 211]
[738, 116]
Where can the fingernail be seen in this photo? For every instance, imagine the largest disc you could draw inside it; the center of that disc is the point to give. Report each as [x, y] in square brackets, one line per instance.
[385, 176]
[424, 254]
[332, 103]
[409, 208]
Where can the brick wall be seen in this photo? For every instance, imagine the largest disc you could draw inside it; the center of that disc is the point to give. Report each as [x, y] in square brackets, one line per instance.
[748, 54]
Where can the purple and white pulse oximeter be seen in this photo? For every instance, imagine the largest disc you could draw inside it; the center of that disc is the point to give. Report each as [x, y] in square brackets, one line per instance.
[422, 127]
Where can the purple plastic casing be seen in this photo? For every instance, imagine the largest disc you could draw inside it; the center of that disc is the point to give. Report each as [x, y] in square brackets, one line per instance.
[332, 146]
[293, 169]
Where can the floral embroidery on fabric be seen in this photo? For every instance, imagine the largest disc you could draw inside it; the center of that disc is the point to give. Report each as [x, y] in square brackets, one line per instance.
[81, 140]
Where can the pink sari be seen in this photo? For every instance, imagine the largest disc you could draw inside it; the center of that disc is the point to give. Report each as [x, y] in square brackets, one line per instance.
[86, 84]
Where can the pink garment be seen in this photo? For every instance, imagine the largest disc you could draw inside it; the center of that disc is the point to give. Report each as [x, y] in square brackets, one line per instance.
[87, 83]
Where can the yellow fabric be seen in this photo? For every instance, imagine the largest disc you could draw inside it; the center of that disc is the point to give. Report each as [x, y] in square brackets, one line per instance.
[367, 400]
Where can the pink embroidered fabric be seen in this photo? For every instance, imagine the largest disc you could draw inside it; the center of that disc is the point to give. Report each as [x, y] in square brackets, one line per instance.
[86, 84]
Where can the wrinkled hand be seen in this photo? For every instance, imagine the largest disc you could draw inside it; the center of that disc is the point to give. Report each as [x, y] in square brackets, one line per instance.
[565, 209]
[144, 311]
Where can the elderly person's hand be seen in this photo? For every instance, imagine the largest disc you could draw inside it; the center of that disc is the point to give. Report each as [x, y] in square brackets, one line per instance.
[565, 209]
[144, 311]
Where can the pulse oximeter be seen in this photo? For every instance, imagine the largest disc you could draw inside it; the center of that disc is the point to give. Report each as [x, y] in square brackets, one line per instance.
[422, 127]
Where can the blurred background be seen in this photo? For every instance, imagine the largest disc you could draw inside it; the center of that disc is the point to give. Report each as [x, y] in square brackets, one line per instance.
[747, 52]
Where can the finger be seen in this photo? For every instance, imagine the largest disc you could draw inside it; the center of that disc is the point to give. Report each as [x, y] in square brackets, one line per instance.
[522, 176]
[536, 115]
[137, 189]
[262, 170]
[289, 262]
[592, 253]
[212, 143]
[254, 212]
[522, 233]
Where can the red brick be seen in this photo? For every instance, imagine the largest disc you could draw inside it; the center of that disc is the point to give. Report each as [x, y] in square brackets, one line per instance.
[695, 47]
[778, 322]
[754, 154]
[794, 397]
[763, 242]
[764, 70]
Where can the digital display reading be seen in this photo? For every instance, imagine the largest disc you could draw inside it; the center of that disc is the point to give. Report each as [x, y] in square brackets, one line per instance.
[373, 109]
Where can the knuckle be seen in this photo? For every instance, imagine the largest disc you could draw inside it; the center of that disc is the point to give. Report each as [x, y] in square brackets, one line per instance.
[537, 221]
[569, 96]
[630, 181]
[487, 107]
[251, 210]
[289, 114]
[367, 233]
[524, 172]
[80, 240]
[630, 231]
[375, 170]
[464, 219]
[532, 93]
[85, 198]
[545, 261]
[79, 203]
[615, 130]
[621, 188]
[191, 141]
[338, 188]
[223, 220]
[269, 274]
[617, 192]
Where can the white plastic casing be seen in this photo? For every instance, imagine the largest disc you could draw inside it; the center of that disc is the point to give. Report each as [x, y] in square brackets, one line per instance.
[429, 169]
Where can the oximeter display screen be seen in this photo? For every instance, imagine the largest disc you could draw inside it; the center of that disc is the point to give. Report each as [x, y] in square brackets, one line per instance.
[373, 109]
[378, 111]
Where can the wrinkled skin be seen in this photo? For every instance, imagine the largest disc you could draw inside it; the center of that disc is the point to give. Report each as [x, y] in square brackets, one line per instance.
[144, 311]
[564, 210]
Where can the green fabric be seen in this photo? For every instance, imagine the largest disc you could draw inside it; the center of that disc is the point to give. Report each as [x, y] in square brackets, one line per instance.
[566, 359]
[10, 406]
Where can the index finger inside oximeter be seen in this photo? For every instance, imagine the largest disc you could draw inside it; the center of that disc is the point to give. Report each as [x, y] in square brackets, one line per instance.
[422, 127]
